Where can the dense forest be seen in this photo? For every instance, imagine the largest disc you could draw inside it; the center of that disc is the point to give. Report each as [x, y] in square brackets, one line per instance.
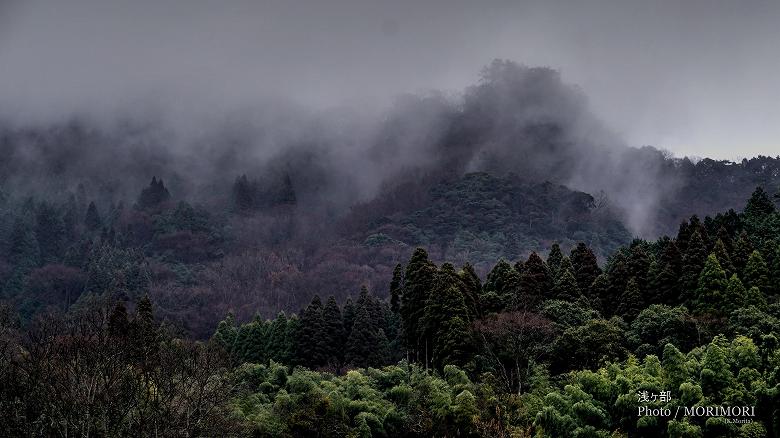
[554, 344]
[486, 265]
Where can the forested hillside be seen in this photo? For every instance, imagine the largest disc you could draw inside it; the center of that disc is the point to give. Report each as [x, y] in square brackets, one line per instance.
[548, 345]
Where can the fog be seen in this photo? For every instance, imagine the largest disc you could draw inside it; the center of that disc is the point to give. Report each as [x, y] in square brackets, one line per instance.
[695, 77]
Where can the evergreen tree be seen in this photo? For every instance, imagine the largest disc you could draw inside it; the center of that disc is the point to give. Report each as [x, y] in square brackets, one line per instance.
[710, 293]
[599, 293]
[367, 344]
[754, 297]
[348, 315]
[256, 341]
[334, 332]
[396, 288]
[154, 195]
[535, 283]
[311, 351]
[445, 304]
[639, 267]
[244, 194]
[118, 322]
[756, 272]
[502, 287]
[722, 253]
[418, 283]
[617, 276]
[741, 253]
[554, 259]
[774, 272]
[630, 301]
[735, 293]
[50, 233]
[472, 289]
[759, 205]
[278, 345]
[586, 267]
[565, 287]
[693, 263]
[92, 218]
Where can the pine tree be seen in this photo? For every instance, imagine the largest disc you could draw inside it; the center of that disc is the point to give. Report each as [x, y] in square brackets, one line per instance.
[630, 301]
[334, 332]
[735, 293]
[756, 272]
[586, 267]
[396, 288]
[711, 289]
[256, 341]
[639, 267]
[535, 283]
[445, 304]
[92, 218]
[554, 259]
[310, 348]
[418, 283]
[599, 293]
[145, 332]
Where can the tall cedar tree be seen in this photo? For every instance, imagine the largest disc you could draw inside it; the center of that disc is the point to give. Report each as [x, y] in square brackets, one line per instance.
[742, 250]
[666, 282]
[774, 272]
[334, 332]
[278, 345]
[711, 290]
[565, 287]
[502, 287]
[599, 293]
[535, 283]
[736, 294]
[154, 195]
[639, 268]
[617, 277]
[472, 289]
[447, 320]
[693, 263]
[554, 259]
[419, 280]
[396, 288]
[586, 267]
[754, 297]
[348, 315]
[367, 344]
[759, 205]
[722, 253]
[310, 348]
[630, 301]
[92, 218]
[756, 272]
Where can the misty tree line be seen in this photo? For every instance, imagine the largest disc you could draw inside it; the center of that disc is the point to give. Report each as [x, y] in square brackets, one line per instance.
[711, 292]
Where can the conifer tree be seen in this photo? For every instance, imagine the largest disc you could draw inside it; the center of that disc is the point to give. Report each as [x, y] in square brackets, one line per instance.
[735, 293]
[310, 348]
[554, 259]
[118, 322]
[244, 194]
[367, 344]
[756, 272]
[639, 267]
[586, 267]
[50, 233]
[348, 315]
[418, 283]
[774, 272]
[334, 335]
[754, 297]
[693, 263]
[722, 253]
[92, 218]
[599, 293]
[710, 293]
[630, 301]
[565, 287]
[154, 195]
[472, 289]
[617, 276]
[535, 283]
[256, 341]
[278, 346]
[759, 205]
[396, 288]
[502, 287]
[445, 304]
[742, 250]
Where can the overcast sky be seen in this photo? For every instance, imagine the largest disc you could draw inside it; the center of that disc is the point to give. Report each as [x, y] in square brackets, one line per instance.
[695, 77]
